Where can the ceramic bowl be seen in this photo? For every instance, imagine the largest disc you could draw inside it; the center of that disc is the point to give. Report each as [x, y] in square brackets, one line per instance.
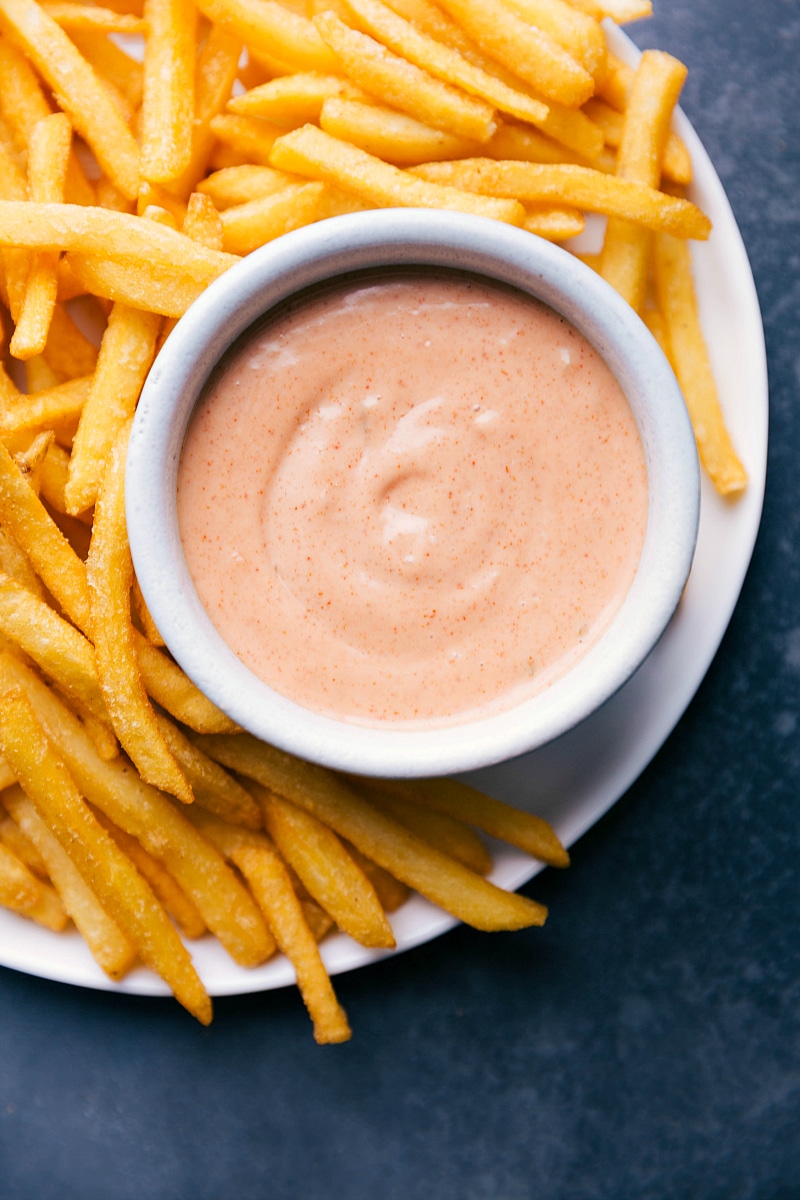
[390, 239]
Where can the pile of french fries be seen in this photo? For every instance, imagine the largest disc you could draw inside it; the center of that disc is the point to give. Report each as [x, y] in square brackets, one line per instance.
[132, 174]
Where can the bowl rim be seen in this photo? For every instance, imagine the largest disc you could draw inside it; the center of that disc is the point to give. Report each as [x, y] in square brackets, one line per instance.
[407, 238]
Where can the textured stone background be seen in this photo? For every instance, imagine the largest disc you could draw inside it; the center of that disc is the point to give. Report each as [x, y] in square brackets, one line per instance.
[650, 1046]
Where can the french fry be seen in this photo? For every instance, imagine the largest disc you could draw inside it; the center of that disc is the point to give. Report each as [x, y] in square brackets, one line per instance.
[215, 74]
[18, 842]
[109, 946]
[392, 136]
[168, 101]
[24, 516]
[553, 223]
[167, 684]
[577, 32]
[448, 833]
[214, 789]
[268, 28]
[164, 887]
[446, 882]
[247, 226]
[126, 354]
[676, 163]
[149, 816]
[160, 290]
[526, 51]
[657, 85]
[456, 799]
[271, 885]
[309, 151]
[326, 870]
[249, 137]
[390, 891]
[114, 235]
[118, 885]
[582, 186]
[109, 573]
[48, 157]
[237, 185]
[202, 222]
[401, 84]
[57, 408]
[67, 350]
[294, 100]
[674, 286]
[19, 889]
[84, 99]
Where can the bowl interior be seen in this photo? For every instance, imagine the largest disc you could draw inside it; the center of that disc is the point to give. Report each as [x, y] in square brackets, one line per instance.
[400, 239]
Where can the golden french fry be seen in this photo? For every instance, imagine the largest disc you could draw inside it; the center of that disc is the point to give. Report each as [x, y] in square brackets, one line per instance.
[553, 223]
[159, 290]
[392, 136]
[109, 573]
[214, 789]
[583, 187]
[92, 18]
[443, 61]
[237, 185]
[24, 516]
[524, 830]
[249, 137]
[401, 84]
[577, 32]
[19, 889]
[168, 101]
[267, 27]
[57, 408]
[56, 647]
[448, 833]
[149, 816]
[109, 946]
[247, 226]
[166, 890]
[18, 842]
[118, 885]
[126, 354]
[167, 684]
[529, 52]
[48, 156]
[215, 74]
[676, 163]
[84, 99]
[292, 100]
[390, 891]
[272, 888]
[656, 87]
[109, 234]
[327, 871]
[202, 222]
[674, 287]
[309, 151]
[446, 882]
[67, 350]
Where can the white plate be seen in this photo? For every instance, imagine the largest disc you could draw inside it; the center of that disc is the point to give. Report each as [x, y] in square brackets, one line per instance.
[574, 781]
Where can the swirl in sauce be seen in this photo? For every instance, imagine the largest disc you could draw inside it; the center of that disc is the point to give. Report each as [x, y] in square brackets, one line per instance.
[412, 499]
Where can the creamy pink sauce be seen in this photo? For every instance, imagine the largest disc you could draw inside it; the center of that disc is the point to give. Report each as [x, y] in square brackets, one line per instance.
[408, 500]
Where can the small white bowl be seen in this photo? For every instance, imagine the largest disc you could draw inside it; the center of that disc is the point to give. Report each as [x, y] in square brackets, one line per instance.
[391, 238]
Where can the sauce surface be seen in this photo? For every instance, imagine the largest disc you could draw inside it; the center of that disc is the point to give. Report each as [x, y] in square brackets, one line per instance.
[408, 500]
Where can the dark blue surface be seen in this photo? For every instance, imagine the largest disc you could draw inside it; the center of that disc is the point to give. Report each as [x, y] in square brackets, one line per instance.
[646, 1043]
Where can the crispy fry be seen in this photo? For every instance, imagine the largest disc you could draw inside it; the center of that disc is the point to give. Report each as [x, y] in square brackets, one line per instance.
[295, 99]
[689, 357]
[167, 684]
[405, 855]
[57, 408]
[109, 573]
[582, 186]
[524, 830]
[84, 99]
[392, 136]
[309, 151]
[202, 222]
[577, 32]
[18, 842]
[168, 101]
[247, 226]
[271, 885]
[625, 258]
[215, 75]
[120, 888]
[237, 185]
[160, 290]
[149, 816]
[401, 84]
[327, 871]
[126, 354]
[48, 157]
